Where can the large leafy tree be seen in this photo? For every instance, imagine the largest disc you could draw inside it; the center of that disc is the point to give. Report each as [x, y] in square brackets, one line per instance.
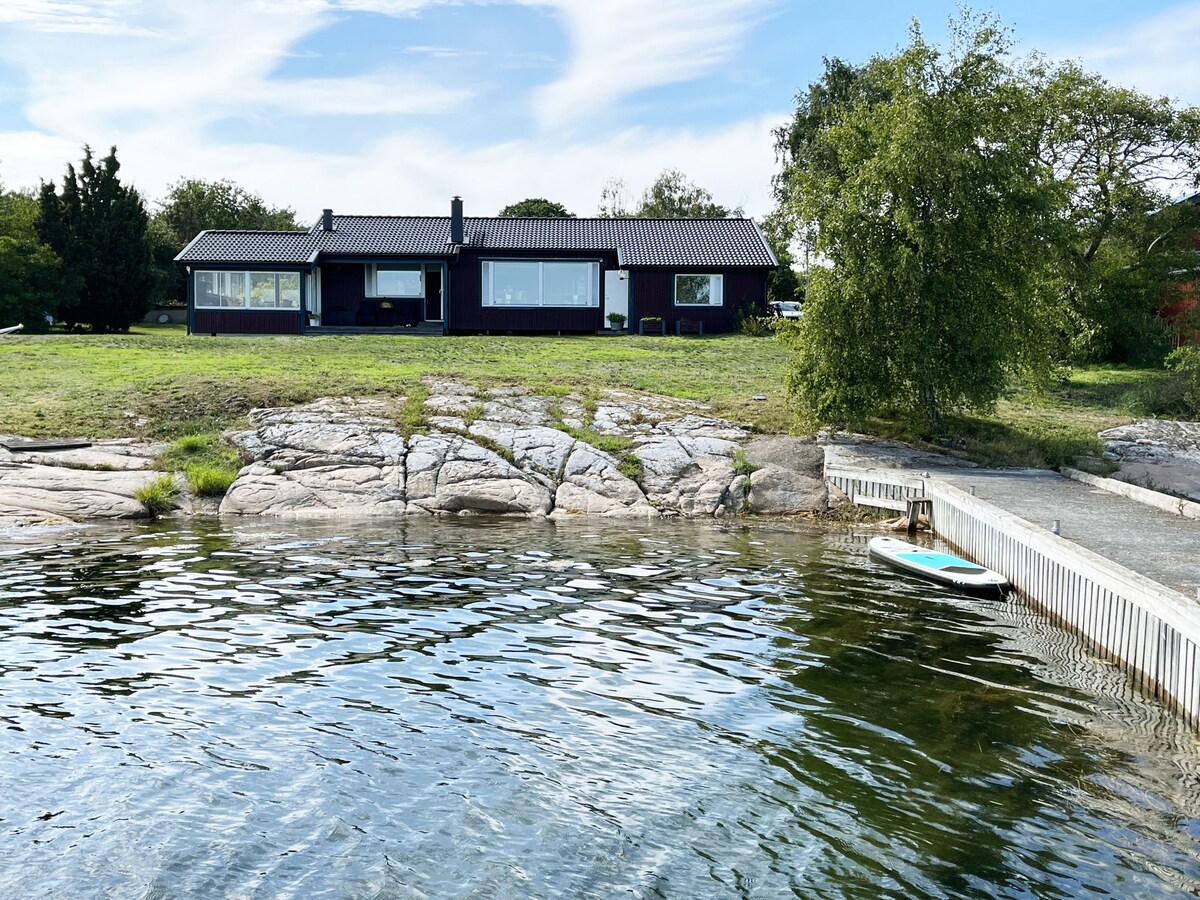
[536, 207]
[936, 229]
[98, 226]
[1119, 156]
[31, 276]
[672, 196]
[193, 205]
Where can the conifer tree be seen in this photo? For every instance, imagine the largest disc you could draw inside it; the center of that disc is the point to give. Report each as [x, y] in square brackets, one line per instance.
[98, 227]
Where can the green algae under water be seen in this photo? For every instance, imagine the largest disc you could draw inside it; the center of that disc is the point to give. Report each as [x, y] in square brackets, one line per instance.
[513, 709]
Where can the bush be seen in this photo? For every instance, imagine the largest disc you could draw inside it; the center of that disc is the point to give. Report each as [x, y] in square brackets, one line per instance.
[158, 496]
[1184, 364]
[755, 326]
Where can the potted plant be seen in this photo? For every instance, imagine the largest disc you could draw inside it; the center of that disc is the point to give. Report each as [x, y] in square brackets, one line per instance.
[616, 321]
[652, 325]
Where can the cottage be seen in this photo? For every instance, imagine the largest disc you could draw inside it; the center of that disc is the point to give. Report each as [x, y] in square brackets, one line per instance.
[435, 274]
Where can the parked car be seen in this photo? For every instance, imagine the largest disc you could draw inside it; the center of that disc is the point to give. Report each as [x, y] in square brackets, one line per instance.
[786, 309]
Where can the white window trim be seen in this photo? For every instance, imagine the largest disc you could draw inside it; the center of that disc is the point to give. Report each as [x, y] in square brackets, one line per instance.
[372, 278]
[487, 279]
[714, 281]
[246, 305]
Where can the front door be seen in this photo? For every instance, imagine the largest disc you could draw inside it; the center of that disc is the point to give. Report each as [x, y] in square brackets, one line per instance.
[433, 294]
[616, 293]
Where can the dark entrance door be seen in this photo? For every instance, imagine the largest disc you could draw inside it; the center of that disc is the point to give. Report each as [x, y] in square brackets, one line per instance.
[433, 294]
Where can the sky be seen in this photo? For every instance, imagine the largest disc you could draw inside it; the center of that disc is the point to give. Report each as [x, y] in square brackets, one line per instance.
[394, 106]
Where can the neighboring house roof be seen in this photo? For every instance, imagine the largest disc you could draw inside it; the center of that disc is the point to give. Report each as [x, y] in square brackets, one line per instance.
[637, 242]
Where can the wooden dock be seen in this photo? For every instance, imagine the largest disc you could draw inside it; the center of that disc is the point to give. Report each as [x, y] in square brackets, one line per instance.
[1146, 627]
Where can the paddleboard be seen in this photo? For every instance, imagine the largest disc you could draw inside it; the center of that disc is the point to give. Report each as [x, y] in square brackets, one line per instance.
[932, 564]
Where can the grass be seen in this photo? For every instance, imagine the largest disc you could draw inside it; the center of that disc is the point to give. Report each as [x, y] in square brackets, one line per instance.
[631, 467]
[742, 465]
[209, 481]
[1046, 430]
[158, 382]
[209, 465]
[158, 496]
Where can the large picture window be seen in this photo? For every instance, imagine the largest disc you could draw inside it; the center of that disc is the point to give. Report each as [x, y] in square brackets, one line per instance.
[539, 283]
[248, 290]
[699, 290]
[395, 280]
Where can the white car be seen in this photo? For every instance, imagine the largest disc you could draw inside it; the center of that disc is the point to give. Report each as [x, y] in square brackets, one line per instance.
[787, 309]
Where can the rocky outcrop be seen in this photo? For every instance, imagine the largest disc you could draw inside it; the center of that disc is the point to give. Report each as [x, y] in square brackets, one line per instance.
[33, 493]
[510, 451]
[788, 476]
[1158, 454]
[502, 451]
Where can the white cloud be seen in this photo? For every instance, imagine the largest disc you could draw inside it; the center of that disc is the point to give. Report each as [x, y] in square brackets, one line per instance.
[1157, 56]
[96, 17]
[622, 46]
[156, 100]
[419, 172]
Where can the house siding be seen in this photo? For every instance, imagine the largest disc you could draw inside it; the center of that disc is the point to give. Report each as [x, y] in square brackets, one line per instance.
[343, 286]
[652, 293]
[246, 321]
[468, 314]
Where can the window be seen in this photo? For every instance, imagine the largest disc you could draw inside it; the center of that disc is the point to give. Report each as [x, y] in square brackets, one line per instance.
[699, 290]
[395, 280]
[535, 283]
[220, 290]
[264, 290]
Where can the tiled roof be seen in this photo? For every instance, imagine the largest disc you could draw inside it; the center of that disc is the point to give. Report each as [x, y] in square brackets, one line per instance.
[637, 242]
[250, 247]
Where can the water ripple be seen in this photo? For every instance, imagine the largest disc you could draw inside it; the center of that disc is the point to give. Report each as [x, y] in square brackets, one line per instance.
[512, 709]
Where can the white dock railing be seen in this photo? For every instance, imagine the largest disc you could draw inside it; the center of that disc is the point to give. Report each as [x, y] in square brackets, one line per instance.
[1150, 630]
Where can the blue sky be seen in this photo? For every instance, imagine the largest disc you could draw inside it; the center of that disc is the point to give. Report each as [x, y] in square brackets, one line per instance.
[393, 106]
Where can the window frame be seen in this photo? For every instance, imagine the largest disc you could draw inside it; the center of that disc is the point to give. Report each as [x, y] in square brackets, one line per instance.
[246, 278]
[487, 279]
[716, 279]
[371, 288]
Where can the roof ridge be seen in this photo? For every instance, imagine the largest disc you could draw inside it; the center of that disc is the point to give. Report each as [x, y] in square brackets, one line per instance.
[549, 218]
[254, 231]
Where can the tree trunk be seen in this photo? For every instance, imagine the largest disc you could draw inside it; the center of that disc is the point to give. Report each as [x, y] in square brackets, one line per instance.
[931, 409]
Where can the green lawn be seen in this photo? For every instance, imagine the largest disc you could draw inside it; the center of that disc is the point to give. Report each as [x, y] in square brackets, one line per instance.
[159, 382]
[1048, 430]
[105, 385]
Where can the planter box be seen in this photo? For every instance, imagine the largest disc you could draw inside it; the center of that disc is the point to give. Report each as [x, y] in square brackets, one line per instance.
[648, 326]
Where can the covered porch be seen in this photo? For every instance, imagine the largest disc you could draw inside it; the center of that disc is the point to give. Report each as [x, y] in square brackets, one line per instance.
[378, 296]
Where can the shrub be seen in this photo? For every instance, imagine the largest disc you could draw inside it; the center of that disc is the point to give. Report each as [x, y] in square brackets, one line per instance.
[755, 326]
[158, 496]
[1184, 364]
[209, 480]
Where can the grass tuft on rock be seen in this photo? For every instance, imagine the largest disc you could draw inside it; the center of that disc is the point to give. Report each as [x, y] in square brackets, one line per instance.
[208, 480]
[158, 496]
[209, 465]
[742, 465]
[631, 467]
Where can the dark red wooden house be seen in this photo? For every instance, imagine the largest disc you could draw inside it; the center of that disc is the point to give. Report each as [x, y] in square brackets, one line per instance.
[396, 274]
